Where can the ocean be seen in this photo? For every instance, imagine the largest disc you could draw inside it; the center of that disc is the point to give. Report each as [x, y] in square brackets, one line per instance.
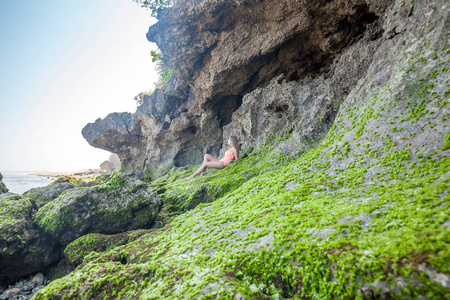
[19, 182]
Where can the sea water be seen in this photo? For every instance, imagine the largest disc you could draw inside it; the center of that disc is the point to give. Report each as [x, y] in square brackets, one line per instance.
[19, 182]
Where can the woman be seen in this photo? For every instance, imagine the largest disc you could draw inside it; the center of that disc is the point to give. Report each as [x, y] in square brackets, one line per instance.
[210, 161]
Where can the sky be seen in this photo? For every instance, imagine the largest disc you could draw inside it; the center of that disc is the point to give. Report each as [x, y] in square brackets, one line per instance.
[64, 64]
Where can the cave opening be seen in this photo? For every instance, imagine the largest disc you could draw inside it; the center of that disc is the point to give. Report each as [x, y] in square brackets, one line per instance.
[309, 53]
[226, 107]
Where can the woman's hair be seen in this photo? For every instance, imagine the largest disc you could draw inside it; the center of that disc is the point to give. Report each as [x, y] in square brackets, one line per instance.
[235, 143]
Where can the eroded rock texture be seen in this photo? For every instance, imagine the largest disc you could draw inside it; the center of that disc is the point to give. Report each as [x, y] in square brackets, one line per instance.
[228, 48]
[220, 51]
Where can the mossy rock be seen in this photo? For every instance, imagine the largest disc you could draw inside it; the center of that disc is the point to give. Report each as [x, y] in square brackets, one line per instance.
[76, 251]
[446, 142]
[81, 181]
[123, 203]
[23, 249]
[44, 195]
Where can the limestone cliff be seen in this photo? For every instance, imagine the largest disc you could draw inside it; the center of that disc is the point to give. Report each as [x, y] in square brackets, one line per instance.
[222, 50]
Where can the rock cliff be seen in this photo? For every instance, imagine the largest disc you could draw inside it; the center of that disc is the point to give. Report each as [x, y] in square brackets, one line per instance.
[342, 192]
[222, 50]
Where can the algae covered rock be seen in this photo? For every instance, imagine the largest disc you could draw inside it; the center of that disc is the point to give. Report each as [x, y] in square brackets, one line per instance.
[23, 249]
[43, 195]
[121, 204]
[96, 242]
[3, 188]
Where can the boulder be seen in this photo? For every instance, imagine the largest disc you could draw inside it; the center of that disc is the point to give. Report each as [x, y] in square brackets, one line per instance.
[7, 194]
[43, 195]
[147, 136]
[38, 279]
[3, 188]
[23, 249]
[122, 203]
[12, 292]
[107, 166]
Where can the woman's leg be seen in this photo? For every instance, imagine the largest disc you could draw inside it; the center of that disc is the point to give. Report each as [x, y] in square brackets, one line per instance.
[210, 164]
[206, 159]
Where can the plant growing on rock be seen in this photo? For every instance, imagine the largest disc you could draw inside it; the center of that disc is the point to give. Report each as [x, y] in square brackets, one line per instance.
[165, 73]
[155, 5]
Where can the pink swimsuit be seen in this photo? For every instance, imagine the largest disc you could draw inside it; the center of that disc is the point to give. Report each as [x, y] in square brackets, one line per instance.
[229, 156]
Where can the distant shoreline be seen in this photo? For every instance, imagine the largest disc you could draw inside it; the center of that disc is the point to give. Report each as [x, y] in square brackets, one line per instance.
[76, 174]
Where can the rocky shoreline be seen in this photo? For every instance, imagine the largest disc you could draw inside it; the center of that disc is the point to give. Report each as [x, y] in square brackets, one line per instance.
[24, 288]
[76, 174]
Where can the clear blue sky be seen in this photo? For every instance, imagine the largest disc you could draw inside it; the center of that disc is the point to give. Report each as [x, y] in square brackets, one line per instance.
[64, 64]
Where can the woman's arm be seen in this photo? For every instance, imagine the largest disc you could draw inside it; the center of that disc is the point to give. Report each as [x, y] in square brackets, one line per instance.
[236, 156]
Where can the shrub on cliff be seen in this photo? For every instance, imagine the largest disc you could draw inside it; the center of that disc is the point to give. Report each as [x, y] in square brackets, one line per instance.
[155, 5]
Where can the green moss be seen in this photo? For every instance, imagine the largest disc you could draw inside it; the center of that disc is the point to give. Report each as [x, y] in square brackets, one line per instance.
[95, 242]
[79, 181]
[446, 141]
[113, 182]
[346, 215]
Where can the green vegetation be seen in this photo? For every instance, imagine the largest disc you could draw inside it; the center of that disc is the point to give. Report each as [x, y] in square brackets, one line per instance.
[115, 182]
[79, 182]
[119, 203]
[13, 212]
[165, 73]
[155, 5]
[446, 142]
[96, 242]
[359, 214]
